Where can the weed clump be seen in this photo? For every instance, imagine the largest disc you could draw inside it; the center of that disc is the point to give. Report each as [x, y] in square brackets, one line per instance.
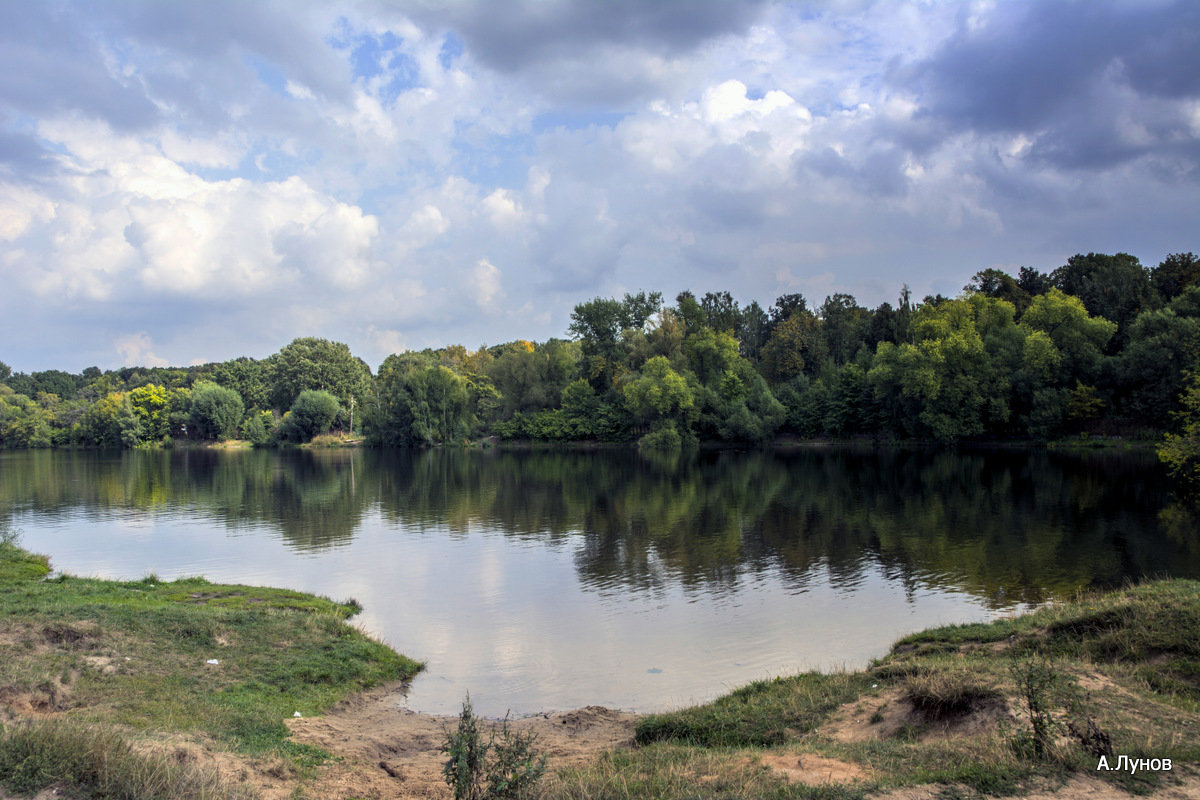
[503, 768]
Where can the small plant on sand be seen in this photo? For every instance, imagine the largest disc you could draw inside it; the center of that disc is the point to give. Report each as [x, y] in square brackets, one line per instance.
[503, 768]
[1039, 684]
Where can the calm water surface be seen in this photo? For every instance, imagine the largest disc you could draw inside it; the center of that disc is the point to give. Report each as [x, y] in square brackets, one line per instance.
[554, 580]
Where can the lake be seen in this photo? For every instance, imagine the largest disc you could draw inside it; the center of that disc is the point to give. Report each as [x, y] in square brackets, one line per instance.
[552, 580]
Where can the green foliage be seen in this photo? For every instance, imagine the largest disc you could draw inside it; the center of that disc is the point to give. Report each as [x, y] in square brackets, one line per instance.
[258, 427]
[23, 422]
[1147, 373]
[951, 382]
[1038, 684]
[1181, 451]
[1112, 287]
[418, 402]
[507, 768]
[598, 325]
[215, 412]
[313, 413]
[659, 392]
[1079, 338]
[1175, 274]
[664, 436]
[1087, 349]
[245, 376]
[311, 363]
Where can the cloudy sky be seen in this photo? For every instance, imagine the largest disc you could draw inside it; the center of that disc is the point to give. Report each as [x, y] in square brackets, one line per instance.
[184, 182]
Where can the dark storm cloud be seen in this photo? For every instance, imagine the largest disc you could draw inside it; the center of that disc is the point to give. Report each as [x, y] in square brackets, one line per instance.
[1077, 78]
[513, 35]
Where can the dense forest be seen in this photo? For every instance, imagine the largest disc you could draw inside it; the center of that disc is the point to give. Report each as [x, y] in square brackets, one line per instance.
[1101, 346]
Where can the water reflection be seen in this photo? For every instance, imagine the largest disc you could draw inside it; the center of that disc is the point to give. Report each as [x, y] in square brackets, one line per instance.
[556, 579]
[1008, 526]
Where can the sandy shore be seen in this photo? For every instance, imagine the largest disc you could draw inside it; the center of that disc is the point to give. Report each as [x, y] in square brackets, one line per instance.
[388, 751]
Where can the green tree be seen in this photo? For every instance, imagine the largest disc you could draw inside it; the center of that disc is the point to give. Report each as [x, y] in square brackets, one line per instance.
[796, 347]
[1079, 337]
[999, 284]
[23, 421]
[951, 383]
[597, 324]
[720, 312]
[843, 323]
[418, 402]
[247, 377]
[313, 413]
[216, 411]
[658, 393]
[1115, 287]
[258, 427]
[1148, 373]
[149, 402]
[99, 424]
[1175, 274]
[310, 363]
[1181, 451]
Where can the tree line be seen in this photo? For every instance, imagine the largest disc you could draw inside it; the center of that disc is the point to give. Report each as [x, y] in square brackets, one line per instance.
[1100, 346]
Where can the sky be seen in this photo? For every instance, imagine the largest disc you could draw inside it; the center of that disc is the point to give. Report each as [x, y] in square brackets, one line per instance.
[187, 182]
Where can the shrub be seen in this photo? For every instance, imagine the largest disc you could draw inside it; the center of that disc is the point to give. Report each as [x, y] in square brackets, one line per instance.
[216, 411]
[1038, 683]
[311, 414]
[507, 768]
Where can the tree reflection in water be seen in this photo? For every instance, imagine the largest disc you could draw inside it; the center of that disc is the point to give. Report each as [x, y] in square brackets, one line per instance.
[1006, 526]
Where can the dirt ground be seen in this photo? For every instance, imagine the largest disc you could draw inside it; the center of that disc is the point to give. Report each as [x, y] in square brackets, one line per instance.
[390, 752]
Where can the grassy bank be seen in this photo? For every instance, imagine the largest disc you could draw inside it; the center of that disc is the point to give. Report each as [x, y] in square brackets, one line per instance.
[94, 659]
[997, 709]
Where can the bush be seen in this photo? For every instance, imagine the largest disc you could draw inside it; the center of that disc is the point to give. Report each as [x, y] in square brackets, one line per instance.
[312, 413]
[1039, 684]
[216, 411]
[663, 437]
[507, 768]
[258, 427]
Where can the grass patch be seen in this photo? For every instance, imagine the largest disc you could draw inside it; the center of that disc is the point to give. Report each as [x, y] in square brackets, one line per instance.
[99, 762]
[945, 694]
[136, 653]
[761, 713]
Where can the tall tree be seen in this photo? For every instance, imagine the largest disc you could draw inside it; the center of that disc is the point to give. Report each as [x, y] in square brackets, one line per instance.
[720, 311]
[1174, 274]
[752, 330]
[216, 411]
[843, 322]
[311, 363]
[1116, 287]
